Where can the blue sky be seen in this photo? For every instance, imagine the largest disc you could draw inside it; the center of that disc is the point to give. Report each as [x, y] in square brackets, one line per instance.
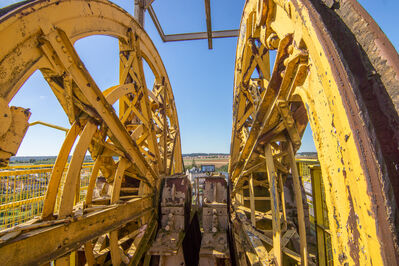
[202, 79]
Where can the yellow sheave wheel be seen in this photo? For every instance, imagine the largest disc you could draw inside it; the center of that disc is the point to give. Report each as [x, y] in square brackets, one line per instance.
[132, 152]
[336, 69]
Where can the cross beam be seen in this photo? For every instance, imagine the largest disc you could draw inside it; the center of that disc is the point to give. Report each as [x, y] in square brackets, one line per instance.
[141, 6]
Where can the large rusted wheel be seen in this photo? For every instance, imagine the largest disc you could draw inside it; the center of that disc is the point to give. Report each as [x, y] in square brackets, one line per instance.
[336, 69]
[132, 149]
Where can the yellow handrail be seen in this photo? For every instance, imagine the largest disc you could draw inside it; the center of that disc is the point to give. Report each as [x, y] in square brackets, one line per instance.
[23, 189]
[22, 192]
[49, 125]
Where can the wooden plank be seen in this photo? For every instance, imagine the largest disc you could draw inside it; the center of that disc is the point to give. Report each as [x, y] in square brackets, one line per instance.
[275, 205]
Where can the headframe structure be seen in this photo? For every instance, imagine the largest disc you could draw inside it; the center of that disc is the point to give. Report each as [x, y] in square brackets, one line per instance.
[334, 69]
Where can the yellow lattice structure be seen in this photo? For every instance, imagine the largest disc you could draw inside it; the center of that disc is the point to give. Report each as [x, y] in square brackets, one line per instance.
[334, 69]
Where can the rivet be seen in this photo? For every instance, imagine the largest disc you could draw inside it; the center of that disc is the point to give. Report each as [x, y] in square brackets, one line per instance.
[58, 39]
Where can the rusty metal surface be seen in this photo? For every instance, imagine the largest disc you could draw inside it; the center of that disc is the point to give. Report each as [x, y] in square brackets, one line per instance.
[375, 79]
[349, 94]
[214, 244]
[175, 210]
[14, 124]
[334, 68]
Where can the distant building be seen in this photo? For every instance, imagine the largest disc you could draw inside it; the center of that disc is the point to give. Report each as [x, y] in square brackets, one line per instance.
[207, 168]
[194, 170]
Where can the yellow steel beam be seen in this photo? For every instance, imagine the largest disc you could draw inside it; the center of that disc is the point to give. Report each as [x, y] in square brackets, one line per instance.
[58, 170]
[50, 32]
[68, 56]
[275, 205]
[39, 248]
[299, 205]
[311, 73]
[208, 22]
[319, 214]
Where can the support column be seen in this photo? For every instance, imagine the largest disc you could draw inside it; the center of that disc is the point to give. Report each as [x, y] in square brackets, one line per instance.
[275, 204]
[252, 199]
[317, 196]
[299, 205]
[139, 11]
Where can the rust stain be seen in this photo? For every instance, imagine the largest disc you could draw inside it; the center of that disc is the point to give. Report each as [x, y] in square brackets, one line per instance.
[181, 184]
[353, 242]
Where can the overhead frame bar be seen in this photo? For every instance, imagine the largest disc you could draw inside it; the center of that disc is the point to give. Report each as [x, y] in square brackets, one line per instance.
[208, 22]
[191, 36]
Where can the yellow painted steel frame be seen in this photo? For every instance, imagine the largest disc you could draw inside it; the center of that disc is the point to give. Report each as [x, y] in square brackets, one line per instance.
[309, 70]
[145, 137]
[320, 222]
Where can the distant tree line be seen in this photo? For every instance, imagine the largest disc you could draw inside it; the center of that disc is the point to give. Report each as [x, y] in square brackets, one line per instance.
[204, 154]
[40, 159]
